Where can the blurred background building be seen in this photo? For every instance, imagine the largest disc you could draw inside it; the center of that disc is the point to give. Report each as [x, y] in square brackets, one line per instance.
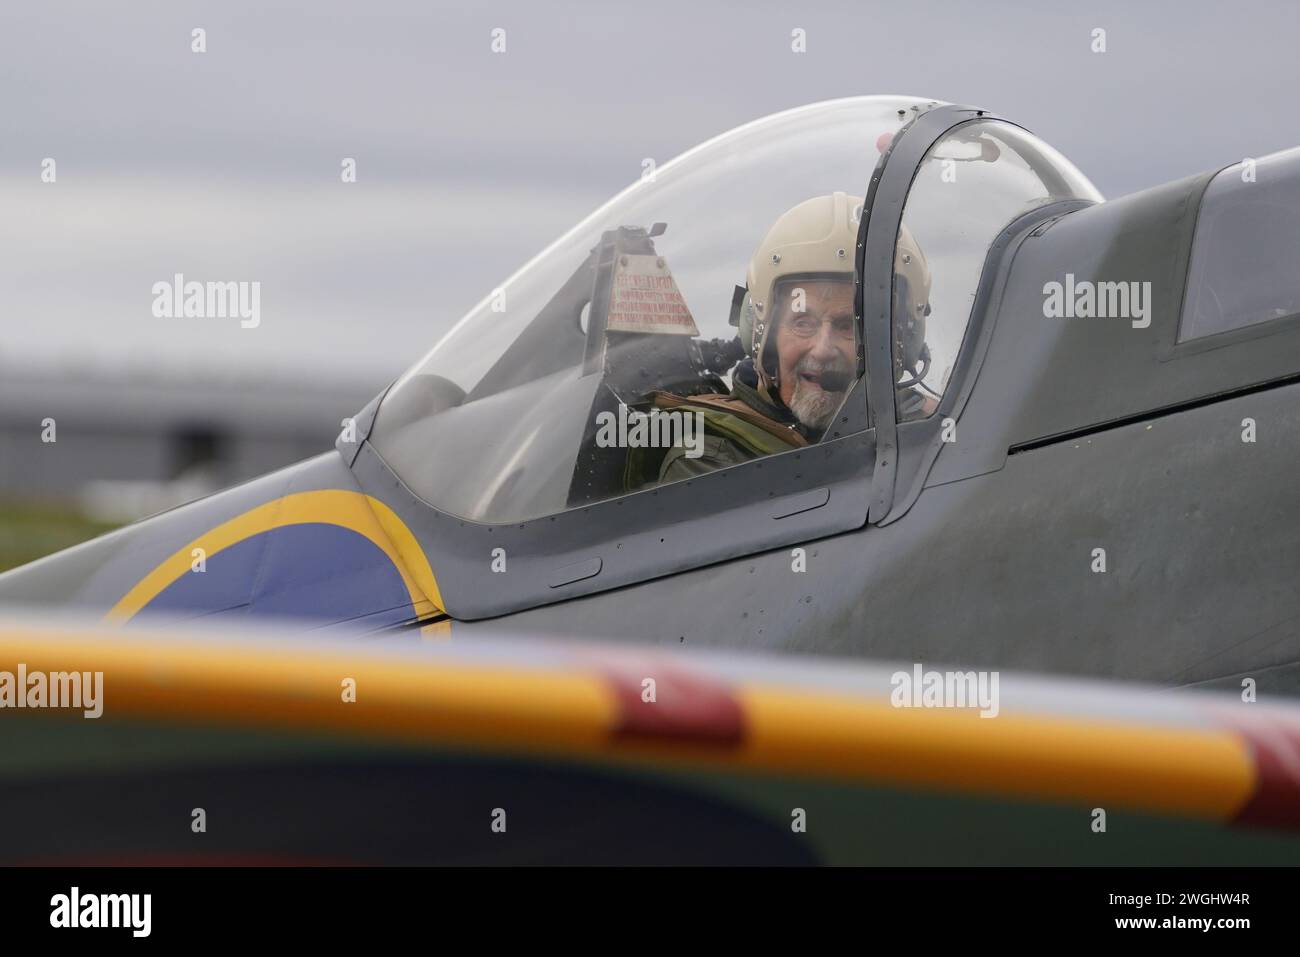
[128, 446]
[226, 165]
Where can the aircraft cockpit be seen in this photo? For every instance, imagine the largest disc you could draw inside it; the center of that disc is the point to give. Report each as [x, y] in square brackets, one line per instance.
[712, 315]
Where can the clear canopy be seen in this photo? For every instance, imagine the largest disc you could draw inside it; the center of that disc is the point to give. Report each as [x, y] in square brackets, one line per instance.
[496, 423]
[630, 352]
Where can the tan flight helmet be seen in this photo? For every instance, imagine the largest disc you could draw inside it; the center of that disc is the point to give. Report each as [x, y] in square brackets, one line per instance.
[818, 240]
[911, 308]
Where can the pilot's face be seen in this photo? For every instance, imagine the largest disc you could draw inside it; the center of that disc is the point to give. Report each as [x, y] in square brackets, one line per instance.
[820, 338]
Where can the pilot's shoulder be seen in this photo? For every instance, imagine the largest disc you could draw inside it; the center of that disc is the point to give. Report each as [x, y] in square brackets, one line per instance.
[669, 400]
[733, 431]
[733, 416]
[714, 452]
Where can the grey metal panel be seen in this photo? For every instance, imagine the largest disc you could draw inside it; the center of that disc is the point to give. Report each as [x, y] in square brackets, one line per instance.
[648, 534]
[569, 574]
[1044, 377]
[1095, 370]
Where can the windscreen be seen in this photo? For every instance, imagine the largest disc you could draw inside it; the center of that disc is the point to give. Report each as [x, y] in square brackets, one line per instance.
[972, 183]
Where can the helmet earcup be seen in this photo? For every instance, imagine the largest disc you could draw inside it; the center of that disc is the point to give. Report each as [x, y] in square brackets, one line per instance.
[745, 324]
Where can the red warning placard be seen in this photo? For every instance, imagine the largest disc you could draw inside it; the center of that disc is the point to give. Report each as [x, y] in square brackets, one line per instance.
[646, 299]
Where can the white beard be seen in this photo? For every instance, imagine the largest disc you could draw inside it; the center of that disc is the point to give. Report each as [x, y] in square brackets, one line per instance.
[812, 405]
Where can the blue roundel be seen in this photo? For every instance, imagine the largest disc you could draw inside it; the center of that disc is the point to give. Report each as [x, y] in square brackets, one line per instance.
[318, 571]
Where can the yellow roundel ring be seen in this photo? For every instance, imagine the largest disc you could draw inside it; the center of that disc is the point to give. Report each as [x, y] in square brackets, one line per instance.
[363, 514]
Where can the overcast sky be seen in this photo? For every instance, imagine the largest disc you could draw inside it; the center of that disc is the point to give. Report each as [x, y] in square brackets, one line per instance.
[225, 165]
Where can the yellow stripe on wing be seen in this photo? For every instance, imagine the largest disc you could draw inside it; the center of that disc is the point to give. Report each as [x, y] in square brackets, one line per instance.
[244, 684]
[1193, 771]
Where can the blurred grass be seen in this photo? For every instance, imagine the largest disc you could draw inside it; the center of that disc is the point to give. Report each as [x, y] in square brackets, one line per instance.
[29, 531]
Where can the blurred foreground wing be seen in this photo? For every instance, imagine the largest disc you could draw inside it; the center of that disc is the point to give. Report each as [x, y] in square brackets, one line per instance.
[211, 747]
